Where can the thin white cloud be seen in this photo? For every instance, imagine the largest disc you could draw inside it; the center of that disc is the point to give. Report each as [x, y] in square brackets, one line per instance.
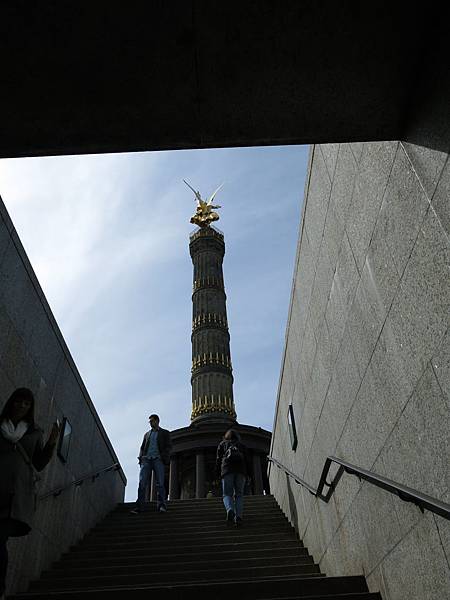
[108, 239]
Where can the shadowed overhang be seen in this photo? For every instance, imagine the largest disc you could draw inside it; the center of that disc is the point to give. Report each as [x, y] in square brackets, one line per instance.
[89, 77]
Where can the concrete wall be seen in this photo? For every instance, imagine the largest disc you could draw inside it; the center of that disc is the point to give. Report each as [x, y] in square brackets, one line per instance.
[34, 354]
[367, 363]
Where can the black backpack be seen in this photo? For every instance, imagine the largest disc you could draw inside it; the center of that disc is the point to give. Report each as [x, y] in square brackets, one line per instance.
[233, 455]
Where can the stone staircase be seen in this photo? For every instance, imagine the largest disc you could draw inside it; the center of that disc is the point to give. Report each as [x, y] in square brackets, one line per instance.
[189, 552]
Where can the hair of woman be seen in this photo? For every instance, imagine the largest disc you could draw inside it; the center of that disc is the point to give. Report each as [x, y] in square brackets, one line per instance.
[232, 434]
[19, 393]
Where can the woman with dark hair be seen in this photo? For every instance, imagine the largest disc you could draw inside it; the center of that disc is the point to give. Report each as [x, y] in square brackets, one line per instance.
[232, 467]
[22, 453]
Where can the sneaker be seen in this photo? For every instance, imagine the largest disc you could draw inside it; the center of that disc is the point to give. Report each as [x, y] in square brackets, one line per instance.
[238, 521]
[162, 508]
[135, 511]
[230, 517]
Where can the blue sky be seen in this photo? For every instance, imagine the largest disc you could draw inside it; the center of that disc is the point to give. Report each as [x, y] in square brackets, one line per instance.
[108, 238]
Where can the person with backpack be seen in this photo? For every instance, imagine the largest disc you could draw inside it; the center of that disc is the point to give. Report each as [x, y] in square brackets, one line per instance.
[232, 468]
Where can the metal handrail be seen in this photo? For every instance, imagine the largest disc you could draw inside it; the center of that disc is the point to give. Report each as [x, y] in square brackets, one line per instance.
[406, 494]
[93, 475]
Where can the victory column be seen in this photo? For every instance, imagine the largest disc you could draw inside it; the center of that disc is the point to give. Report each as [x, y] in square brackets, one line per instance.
[212, 379]
[192, 472]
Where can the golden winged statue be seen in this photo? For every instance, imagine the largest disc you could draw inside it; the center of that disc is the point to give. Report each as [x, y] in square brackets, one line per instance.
[204, 215]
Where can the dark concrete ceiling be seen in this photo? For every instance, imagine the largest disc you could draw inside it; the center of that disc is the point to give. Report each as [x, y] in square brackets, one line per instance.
[88, 77]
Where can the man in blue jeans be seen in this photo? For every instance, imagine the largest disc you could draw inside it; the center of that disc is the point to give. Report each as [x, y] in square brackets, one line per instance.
[153, 456]
[232, 467]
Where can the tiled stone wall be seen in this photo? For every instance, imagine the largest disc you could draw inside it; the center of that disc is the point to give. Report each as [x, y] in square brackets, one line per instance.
[367, 363]
[34, 354]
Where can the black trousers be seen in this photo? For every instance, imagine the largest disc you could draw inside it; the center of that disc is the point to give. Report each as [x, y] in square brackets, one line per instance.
[3, 561]
[7, 528]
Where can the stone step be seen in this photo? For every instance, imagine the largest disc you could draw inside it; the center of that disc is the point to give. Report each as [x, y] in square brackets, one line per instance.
[303, 588]
[251, 501]
[197, 505]
[174, 540]
[165, 578]
[185, 501]
[189, 552]
[184, 528]
[232, 545]
[155, 557]
[197, 513]
[361, 596]
[195, 516]
[195, 510]
[183, 564]
[170, 526]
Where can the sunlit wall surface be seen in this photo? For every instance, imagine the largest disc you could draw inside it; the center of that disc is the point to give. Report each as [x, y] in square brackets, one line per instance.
[366, 363]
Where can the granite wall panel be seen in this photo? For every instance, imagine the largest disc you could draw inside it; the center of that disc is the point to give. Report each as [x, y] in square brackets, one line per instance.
[343, 184]
[357, 149]
[332, 236]
[33, 354]
[440, 364]
[329, 153]
[428, 164]
[321, 288]
[417, 566]
[403, 210]
[315, 211]
[420, 439]
[440, 201]
[370, 184]
[374, 364]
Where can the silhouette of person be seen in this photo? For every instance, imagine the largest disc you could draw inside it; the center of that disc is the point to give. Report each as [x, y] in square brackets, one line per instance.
[153, 456]
[232, 466]
[22, 454]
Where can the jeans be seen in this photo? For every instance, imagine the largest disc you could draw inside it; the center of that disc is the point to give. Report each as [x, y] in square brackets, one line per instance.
[157, 466]
[233, 484]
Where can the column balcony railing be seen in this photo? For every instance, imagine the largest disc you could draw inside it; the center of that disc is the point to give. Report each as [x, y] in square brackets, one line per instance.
[210, 320]
[210, 281]
[211, 403]
[211, 358]
[206, 232]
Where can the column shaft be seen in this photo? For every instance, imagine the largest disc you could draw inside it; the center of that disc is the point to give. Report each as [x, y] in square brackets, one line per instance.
[174, 490]
[257, 475]
[200, 475]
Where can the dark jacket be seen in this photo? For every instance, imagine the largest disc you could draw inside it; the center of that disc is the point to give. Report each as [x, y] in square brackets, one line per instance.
[223, 467]
[19, 464]
[164, 445]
